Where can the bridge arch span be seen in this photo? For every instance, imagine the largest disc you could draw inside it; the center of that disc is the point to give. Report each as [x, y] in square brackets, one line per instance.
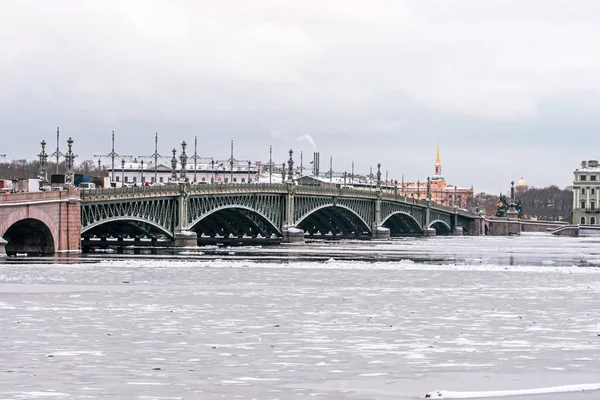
[124, 219]
[441, 227]
[36, 220]
[331, 205]
[234, 220]
[401, 222]
[336, 219]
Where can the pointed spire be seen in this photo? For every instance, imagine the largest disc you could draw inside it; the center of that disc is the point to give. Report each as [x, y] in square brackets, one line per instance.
[438, 165]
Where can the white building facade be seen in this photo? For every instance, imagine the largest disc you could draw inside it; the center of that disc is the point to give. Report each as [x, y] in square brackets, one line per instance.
[586, 196]
[138, 174]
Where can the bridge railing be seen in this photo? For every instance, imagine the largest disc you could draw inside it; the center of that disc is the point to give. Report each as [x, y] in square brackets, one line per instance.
[218, 188]
[134, 191]
[404, 199]
[174, 189]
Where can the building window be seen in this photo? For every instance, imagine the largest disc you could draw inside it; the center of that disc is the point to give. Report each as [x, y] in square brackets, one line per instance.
[212, 180]
[593, 191]
[117, 179]
[235, 179]
[126, 179]
[593, 205]
[582, 220]
[160, 179]
[152, 180]
[593, 221]
[226, 180]
[592, 177]
[583, 204]
[582, 177]
[203, 179]
[135, 179]
[582, 191]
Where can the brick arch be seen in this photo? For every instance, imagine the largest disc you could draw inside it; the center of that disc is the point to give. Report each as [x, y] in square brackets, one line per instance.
[21, 213]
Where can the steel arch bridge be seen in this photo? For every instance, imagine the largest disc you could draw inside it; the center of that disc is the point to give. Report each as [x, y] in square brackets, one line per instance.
[263, 211]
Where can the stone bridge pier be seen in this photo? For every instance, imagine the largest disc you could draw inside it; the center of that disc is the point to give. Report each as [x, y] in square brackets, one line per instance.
[40, 223]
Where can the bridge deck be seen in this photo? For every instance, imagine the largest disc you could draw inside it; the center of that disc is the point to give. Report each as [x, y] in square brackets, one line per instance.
[170, 190]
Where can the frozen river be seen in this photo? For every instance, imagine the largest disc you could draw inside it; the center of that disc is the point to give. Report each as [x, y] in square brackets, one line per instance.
[346, 320]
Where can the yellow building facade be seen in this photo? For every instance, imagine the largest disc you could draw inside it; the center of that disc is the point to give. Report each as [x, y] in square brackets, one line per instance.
[439, 191]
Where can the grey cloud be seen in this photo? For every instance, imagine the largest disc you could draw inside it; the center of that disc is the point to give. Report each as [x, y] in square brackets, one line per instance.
[369, 81]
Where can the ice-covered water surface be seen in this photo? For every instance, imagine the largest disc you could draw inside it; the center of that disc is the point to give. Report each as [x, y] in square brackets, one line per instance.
[457, 315]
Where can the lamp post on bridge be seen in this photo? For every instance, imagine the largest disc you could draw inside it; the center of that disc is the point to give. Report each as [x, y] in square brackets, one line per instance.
[212, 170]
[70, 160]
[283, 173]
[270, 164]
[57, 153]
[183, 158]
[174, 166]
[428, 189]
[122, 171]
[330, 170]
[291, 167]
[195, 157]
[249, 164]
[112, 155]
[156, 156]
[43, 156]
[142, 172]
[386, 178]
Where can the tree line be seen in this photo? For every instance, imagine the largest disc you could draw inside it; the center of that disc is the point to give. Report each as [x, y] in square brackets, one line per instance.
[550, 203]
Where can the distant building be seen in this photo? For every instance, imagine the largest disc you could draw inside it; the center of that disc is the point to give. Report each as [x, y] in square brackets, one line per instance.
[440, 191]
[138, 173]
[344, 181]
[585, 193]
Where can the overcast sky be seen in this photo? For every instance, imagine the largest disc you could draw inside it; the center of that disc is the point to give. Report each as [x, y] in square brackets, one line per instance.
[507, 87]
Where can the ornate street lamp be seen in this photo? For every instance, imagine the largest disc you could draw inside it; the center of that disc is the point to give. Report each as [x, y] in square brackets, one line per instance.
[249, 164]
[174, 166]
[142, 172]
[428, 189]
[122, 171]
[183, 158]
[291, 166]
[70, 161]
[283, 173]
[212, 170]
[43, 162]
[270, 164]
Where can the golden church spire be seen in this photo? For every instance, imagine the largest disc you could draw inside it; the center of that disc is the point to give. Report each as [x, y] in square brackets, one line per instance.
[438, 165]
